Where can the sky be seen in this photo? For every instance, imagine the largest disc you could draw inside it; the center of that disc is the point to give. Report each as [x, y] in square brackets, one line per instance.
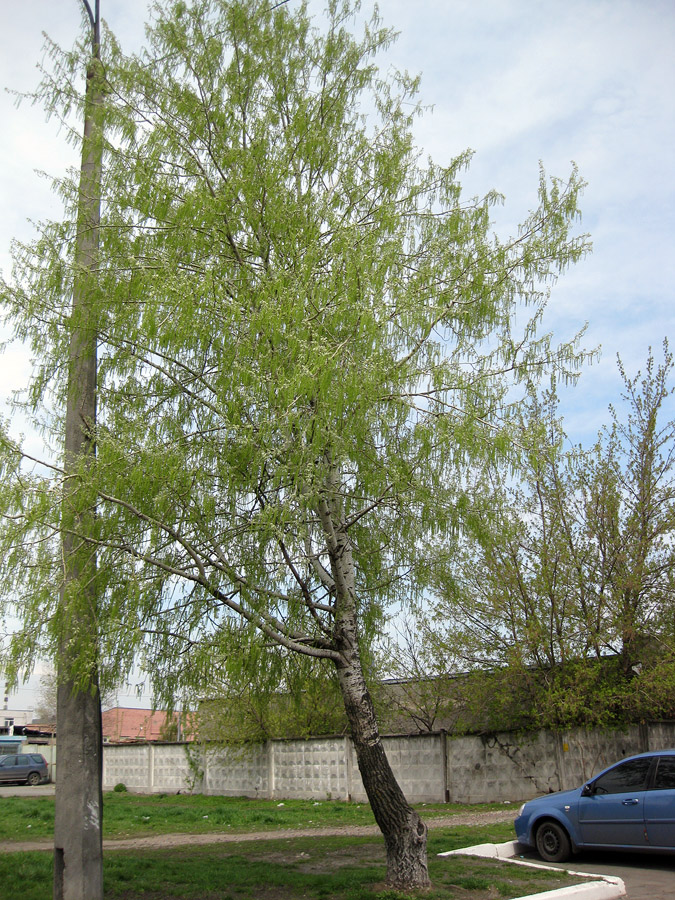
[519, 82]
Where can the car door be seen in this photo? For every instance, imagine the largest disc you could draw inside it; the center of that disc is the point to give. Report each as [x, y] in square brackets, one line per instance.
[24, 765]
[611, 808]
[660, 805]
[8, 768]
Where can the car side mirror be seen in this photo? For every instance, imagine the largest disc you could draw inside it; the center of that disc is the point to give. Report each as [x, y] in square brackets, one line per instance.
[587, 790]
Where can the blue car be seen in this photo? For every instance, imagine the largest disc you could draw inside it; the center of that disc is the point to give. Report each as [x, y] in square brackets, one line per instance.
[30, 768]
[630, 806]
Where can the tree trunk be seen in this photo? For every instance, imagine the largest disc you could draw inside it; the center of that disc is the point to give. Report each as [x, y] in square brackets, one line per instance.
[78, 848]
[405, 834]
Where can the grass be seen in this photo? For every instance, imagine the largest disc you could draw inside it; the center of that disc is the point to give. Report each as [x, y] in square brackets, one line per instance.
[283, 868]
[137, 815]
[344, 868]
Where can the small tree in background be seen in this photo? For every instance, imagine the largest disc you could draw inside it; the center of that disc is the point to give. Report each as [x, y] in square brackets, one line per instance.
[565, 598]
[295, 698]
[630, 518]
[421, 690]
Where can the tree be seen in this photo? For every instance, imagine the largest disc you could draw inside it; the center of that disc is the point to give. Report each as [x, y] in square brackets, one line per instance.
[306, 335]
[631, 517]
[421, 685]
[566, 596]
[242, 708]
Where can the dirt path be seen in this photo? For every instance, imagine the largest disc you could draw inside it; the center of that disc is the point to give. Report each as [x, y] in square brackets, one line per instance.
[158, 841]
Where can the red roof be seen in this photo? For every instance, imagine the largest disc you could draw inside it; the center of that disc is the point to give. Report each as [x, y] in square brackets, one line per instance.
[125, 724]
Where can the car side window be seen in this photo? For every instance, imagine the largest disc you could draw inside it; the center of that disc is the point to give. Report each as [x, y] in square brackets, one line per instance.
[627, 776]
[665, 774]
[23, 760]
[9, 761]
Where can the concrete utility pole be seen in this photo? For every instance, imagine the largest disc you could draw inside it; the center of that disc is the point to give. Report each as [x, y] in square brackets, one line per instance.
[78, 850]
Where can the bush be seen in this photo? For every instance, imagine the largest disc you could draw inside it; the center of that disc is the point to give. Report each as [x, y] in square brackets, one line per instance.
[120, 788]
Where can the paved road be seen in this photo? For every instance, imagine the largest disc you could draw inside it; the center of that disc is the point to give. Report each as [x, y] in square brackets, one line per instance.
[646, 876]
[25, 790]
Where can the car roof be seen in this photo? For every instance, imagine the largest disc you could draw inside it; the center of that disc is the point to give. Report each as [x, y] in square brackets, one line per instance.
[668, 752]
[648, 755]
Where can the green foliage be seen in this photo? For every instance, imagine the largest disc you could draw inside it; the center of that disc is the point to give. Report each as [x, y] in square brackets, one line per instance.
[561, 599]
[120, 788]
[305, 337]
[305, 703]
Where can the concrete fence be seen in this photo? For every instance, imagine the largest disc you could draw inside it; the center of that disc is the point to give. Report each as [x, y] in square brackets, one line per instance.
[429, 767]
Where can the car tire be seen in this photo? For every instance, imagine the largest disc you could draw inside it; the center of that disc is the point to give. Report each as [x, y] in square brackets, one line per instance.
[553, 843]
[33, 778]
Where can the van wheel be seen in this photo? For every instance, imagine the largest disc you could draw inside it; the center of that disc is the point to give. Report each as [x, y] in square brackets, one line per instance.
[33, 778]
[553, 843]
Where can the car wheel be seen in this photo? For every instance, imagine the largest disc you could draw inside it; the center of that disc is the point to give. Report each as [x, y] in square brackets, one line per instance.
[33, 778]
[553, 843]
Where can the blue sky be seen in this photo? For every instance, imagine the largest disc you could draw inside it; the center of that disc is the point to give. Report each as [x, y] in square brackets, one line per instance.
[518, 81]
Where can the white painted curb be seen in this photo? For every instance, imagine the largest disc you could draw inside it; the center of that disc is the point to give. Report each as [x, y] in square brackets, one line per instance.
[607, 888]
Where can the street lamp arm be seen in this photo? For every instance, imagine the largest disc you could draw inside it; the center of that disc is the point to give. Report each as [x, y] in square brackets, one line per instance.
[95, 19]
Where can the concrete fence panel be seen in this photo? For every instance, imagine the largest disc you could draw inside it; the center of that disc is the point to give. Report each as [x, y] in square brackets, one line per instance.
[429, 767]
[236, 771]
[506, 766]
[511, 766]
[128, 764]
[315, 768]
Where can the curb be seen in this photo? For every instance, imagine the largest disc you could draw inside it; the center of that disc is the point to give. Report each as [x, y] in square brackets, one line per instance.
[606, 888]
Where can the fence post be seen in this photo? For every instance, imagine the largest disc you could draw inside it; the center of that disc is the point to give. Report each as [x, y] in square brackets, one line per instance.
[560, 751]
[151, 767]
[445, 763]
[349, 765]
[269, 748]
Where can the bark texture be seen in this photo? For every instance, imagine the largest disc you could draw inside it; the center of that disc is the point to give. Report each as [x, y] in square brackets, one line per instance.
[405, 834]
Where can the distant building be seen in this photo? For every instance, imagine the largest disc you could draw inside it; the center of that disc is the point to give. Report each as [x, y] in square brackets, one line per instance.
[12, 723]
[123, 724]
[11, 718]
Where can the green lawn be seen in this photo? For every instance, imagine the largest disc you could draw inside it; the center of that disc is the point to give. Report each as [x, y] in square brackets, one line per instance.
[128, 815]
[344, 868]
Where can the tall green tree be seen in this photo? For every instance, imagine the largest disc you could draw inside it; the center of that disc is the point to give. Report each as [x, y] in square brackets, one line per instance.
[564, 590]
[306, 336]
[630, 516]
